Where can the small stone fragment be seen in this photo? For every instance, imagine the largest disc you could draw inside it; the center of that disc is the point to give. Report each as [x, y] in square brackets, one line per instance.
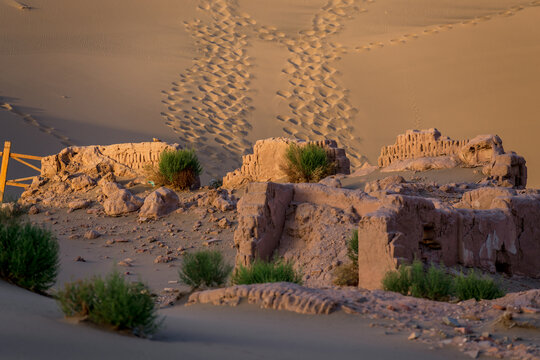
[92, 234]
[80, 259]
[162, 259]
[413, 336]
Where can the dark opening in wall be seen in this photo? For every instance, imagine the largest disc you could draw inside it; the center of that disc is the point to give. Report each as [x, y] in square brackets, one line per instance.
[429, 238]
[502, 262]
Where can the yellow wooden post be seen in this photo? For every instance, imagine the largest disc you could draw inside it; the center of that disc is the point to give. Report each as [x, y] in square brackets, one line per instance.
[3, 169]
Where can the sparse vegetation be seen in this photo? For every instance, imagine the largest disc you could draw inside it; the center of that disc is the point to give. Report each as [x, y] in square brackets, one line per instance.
[265, 272]
[204, 268]
[436, 284]
[12, 211]
[307, 163]
[472, 286]
[177, 169]
[28, 255]
[347, 274]
[113, 302]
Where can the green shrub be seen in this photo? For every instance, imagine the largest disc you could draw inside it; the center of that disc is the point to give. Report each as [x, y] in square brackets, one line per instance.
[307, 163]
[112, 301]
[346, 275]
[28, 255]
[265, 272]
[436, 284]
[433, 284]
[204, 268]
[178, 169]
[398, 281]
[352, 247]
[472, 286]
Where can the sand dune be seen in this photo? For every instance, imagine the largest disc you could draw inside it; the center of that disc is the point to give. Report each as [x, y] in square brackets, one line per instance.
[217, 75]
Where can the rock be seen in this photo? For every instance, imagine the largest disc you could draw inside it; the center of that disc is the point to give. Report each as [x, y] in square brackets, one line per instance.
[159, 203]
[82, 182]
[126, 262]
[331, 181]
[162, 259]
[92, 234]
[423, 164]
[481, 150]
[483, 198]
[413, 336]
[79, 204]
[119, 201]
[210, 242]
[268, 161]
[384, 184]
[80, 259]
[508, 170]
[472, 353]
[33, 210]
[224, 223]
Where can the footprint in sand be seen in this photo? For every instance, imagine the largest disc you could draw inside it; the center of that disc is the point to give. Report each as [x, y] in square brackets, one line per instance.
[30, 120]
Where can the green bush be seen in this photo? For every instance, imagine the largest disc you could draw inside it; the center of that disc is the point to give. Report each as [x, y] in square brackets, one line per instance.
[436, 284]
[112, 301]
[265, 272]
[204, 268]
[433, 284]
[307, 163]
[472, 286]
[347, 274]
[28, 255]
[178, 169]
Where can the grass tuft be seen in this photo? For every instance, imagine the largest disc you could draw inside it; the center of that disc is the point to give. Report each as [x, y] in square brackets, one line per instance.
[266, 272]
[472, 286]
[347, 274]
[178, 169]
[28, 255]
[307, 163]
[436, 284]
[204, 268]
[113, 302]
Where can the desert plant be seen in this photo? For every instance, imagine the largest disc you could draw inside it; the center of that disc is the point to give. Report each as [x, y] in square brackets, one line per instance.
[178, 169]
[307, 163]
[346, 275]
[265, 272]
[472, 286]
[12, 211]
[414, 280]
[28, 255]
[204, 268]
[397, 281]
[112, 301]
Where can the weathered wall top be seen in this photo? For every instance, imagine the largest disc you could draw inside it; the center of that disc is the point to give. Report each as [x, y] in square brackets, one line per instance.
[268, 158]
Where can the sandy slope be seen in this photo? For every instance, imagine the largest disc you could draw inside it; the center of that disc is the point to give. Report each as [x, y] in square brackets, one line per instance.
[357, 71]
[33, 328]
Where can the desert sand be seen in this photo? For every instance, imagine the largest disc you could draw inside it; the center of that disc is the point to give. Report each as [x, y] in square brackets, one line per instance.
[217, 75]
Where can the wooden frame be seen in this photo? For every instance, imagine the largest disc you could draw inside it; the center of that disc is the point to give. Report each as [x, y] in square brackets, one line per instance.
[6, 155]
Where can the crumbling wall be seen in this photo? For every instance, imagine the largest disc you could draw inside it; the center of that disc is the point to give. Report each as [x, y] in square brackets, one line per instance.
[121, 159]
[505, 237]
[268, 159]
[417, 144]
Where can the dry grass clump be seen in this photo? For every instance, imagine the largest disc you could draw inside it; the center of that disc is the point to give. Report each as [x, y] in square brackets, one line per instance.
[347, 274]
[28, 255]
[177, 169]
[266, 272]
[113, 302]
[309, 163]
[204, 268]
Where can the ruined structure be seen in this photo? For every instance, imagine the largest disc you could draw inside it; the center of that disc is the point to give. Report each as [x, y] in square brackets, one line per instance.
[268, 159]
[420, 150]
[127, 159]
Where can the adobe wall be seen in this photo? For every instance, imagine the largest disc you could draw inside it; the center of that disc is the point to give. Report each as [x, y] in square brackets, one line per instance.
[127, 159]
[268, 159]
[489, 230]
